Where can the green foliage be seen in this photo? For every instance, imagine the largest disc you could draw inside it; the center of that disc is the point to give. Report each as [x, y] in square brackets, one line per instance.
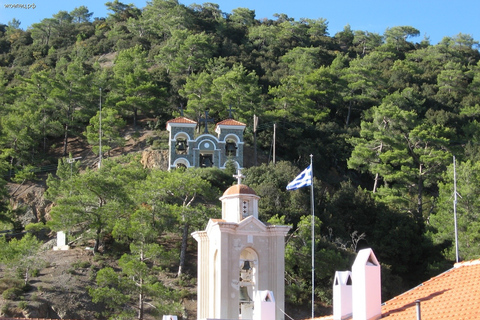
[378, 110]
[107, 126]
[11, 283]
[91, 202]
[23, 305]
[442, 223]
[21, 256]
[12, 294]
[269, 182]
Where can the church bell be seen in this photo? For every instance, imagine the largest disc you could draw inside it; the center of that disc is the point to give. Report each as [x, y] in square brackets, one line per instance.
[244, 297]
[181, 146]
[231, 149]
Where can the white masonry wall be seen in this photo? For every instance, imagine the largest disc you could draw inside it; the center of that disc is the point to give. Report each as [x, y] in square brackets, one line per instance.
[366, 286]
[342, 295]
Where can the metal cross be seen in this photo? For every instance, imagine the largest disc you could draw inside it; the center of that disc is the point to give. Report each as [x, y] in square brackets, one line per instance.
[230, 112]
[206, 120]
[181, 109]
[239, 176]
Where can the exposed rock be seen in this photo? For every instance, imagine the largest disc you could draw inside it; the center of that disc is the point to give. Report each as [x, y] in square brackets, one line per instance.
[155, 159]
[37, 309]
[28, 200]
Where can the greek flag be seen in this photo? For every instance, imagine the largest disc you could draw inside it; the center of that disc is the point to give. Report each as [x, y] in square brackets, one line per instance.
[304, 179]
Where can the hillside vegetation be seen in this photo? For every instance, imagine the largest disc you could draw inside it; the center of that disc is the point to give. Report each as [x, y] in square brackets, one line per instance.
[383, 116]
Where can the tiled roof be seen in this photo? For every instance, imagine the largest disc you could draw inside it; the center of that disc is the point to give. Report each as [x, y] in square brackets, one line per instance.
[454, 294]
[239, 189]
[182, 120]
[231, 122]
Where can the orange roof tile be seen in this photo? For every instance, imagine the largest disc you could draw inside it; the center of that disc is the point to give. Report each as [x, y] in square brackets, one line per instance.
[454, 294]
[231, 122]
[182, 120]
[239, 189]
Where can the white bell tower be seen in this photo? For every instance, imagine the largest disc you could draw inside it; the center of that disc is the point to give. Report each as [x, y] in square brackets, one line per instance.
[239, 256]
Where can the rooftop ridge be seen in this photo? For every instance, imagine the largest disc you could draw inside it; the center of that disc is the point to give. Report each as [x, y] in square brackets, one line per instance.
[466, 263]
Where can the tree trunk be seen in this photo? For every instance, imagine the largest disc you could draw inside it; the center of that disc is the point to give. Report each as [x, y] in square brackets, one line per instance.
[135, 114]
[26, 276]
[65, 141]
[347, 122]
[141, 297]
[183, 250]
[420, 195]
[97, 241]
[377, 176]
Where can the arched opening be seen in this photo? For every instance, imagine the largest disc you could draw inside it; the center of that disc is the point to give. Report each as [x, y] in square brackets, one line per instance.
[181, 145]
[248, 282]
[181, 163]
[206, 160]
[231, 148]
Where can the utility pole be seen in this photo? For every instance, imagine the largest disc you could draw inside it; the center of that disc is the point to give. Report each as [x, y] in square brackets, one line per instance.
[274, 138]
[255, 124]
[71, 161]
[455, 208]
[100, 133]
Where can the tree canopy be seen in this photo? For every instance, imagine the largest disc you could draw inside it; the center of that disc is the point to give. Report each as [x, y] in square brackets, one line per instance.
[382, 115]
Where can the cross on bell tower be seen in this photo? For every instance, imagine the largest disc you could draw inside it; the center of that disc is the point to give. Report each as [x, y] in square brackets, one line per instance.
[239, 176]
[230, 110]
[206, 120]
[180, 109]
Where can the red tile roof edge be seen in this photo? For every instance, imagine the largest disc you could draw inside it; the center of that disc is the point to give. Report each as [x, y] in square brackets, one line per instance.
[231, 122]
[182, 120]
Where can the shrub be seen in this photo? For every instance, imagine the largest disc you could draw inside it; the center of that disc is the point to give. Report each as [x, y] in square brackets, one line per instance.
[5, 308]
[35, 272]
[23, 305]
[81, 265]
[12, 294]
[7, 283]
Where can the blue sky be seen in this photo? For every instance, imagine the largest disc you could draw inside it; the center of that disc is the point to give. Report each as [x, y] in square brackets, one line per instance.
[433, 18]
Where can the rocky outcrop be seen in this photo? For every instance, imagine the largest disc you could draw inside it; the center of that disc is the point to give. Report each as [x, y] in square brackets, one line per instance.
[157, 159]
[29, 202]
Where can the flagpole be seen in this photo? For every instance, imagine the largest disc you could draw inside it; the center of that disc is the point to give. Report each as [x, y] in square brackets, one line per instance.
[313, 240]
[305, 178]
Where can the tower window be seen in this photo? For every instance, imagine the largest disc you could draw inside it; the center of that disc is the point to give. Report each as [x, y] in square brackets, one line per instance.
[231, 148]
[181, 146]
[206, 160]
[244, 209]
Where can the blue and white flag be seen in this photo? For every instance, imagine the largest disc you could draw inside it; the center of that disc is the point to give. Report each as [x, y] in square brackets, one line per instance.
[304, 179]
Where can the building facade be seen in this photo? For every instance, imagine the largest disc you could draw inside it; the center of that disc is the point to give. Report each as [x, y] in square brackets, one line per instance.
[205, 150]
[239, 257]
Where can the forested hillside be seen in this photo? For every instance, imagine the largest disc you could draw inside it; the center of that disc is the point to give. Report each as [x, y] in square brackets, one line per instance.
[382, 114]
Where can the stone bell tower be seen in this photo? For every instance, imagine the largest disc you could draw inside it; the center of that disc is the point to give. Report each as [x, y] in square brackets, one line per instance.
[239, 256]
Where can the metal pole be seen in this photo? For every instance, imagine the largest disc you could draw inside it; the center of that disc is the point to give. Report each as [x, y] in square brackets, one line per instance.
[100, 133]
[455, 208]
[255, 124]
[419, 314]
[313, 240]
[274, 138]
